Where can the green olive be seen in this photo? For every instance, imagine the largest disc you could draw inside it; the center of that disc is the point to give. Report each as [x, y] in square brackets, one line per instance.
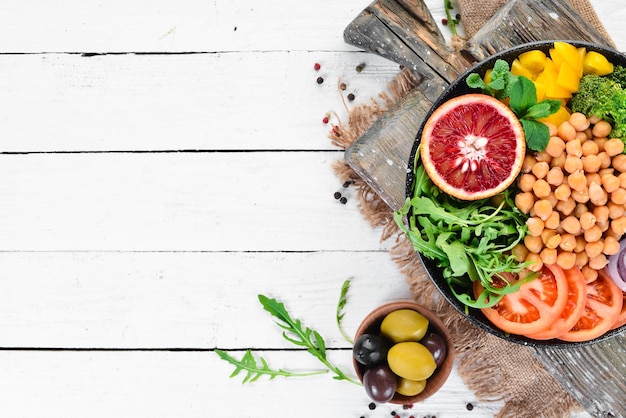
[408, 387]
[404, 325]
[411, 360]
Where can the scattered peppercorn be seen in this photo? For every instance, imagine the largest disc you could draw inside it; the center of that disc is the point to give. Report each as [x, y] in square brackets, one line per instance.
[444, 21]
[337, 195]
[317, 66]
[469, 406]
[325, 120]
[393, 413]
[320, 80]
[343, 200]
[342, 86]
[347, 184]
[458, 16]
[407, 406]
[350, 96]
[360, 67]
[372, 406]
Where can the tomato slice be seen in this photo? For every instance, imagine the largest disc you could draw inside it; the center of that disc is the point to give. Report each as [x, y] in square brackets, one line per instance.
[621, 319]
[534, 307]
[574, 308]
[603, 307]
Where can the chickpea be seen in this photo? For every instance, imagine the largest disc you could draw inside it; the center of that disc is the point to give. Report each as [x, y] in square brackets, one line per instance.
[587, 220]
[566, 207]
[544, 156]
[562, 192]
[591, 163]
[594, 119]
[551, 128]
[541, 188]
[598, 262]
[553, 221]
[580, 244]
[536, 264]
[555, 176]
[619, 196]
[555, 146]
[568, 242]
[610, 183]
[559, 161]
[577, 180]
[566, 260]
[619, 162]
[526, 182]
[593, 178]
[614, 146]
[543, 208]
[615, 210]
[605, 159]
[519, 252]
[579, 121]
[525, 201]
[601, 213]
[588, 133]
[603, 171]
[581, 136]
[593, 234]
[574, 148]
[604, 226]
[529, 162]
[589, 274]
[581, 196]
[572, 164]
[618, 226]
[582, 259]
[600, 141]
[579, 210]
[548, 255]
[552, 199]
[597, 195]
[533, 244]
[535, 226]
[550, 238]
[540, 170]
[611, 246]
[590, 148]
[571, 224]
[566, 131]
[593, 249]
[602, 129]
[622, 179]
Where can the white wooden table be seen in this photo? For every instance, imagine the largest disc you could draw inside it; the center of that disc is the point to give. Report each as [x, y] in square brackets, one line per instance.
[161, 164]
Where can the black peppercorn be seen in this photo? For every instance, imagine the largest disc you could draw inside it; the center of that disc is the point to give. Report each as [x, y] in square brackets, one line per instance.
[320, 80]
[372, 406]
[350, 96]
[337, 195]
[469, 406]
[343, 200]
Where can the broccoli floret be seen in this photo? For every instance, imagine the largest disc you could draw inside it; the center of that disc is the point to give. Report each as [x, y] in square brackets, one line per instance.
[618, 75]
[604, 98]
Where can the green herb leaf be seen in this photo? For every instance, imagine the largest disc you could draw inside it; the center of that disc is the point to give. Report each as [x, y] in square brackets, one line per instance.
[254, 370]
[523, 96]
[339, 312]
[302, 336]
[537, 134]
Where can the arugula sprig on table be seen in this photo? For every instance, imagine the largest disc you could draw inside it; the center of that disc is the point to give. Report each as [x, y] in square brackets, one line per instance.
[470, 241]
[296, 333]
[522, 96]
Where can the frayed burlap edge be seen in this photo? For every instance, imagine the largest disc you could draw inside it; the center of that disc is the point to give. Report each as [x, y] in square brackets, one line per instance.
[496, 370]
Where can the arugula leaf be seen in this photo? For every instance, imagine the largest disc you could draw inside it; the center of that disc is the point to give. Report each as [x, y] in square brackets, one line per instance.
[339, 312]
[295, 333]
[254, 370]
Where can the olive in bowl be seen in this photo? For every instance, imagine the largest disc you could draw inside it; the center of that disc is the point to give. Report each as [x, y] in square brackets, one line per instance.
[402, 353]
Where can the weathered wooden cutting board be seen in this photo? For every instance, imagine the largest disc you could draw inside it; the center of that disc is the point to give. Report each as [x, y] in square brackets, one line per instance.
[405, 32]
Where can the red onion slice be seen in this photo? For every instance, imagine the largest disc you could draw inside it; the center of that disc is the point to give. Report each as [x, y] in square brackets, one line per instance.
[617, 266]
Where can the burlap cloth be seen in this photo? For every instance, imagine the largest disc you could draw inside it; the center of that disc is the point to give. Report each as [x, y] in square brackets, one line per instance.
[496, 370]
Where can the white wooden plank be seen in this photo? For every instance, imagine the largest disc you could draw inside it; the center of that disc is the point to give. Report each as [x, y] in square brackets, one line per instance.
[247, 201]
[194, 384]
[195, 25]
[255, 100]
[184, 300]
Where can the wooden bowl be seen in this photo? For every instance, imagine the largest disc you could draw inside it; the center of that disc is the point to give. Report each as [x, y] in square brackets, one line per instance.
[457, 88]
[371, 325]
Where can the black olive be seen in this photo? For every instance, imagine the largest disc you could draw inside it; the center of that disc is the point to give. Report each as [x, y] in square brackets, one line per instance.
[371, 349]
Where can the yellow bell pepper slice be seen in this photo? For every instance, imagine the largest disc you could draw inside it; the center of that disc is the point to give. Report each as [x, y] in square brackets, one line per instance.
[596, 63]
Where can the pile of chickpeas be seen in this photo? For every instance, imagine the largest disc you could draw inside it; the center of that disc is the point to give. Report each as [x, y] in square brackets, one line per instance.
[575, 195]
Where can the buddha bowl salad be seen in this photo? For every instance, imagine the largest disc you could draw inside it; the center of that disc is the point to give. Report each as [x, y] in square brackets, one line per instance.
[519, 194]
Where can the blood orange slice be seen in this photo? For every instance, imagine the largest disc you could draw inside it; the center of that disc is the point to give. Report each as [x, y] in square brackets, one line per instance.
[472, 146]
